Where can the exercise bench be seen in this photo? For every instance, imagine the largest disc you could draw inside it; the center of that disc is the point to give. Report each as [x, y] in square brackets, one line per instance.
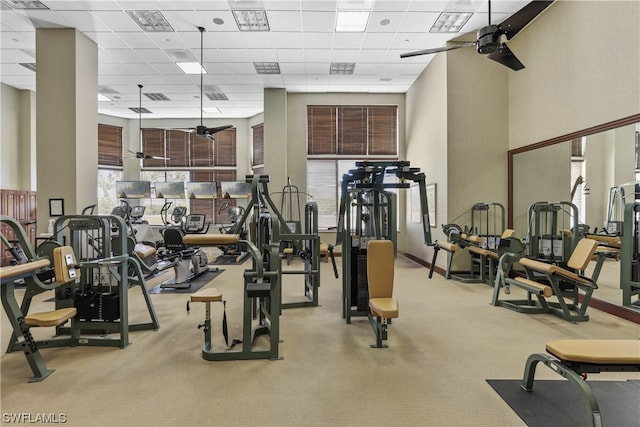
[574, 359]
[382, 305]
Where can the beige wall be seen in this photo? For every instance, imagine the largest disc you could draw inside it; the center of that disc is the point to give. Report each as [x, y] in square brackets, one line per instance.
[17, 133]
[583, 69]
[573, 80]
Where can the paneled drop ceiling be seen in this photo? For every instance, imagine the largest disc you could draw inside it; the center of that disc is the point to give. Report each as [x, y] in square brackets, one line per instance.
[297, 52]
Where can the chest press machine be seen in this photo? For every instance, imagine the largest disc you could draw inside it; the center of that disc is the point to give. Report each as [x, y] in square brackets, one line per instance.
[80, 270]
[367, 215]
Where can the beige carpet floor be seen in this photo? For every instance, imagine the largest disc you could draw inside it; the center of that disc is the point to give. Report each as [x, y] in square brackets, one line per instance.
[447, 341]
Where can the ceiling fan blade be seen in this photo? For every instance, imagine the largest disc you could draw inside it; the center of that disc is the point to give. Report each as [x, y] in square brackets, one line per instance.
[505, 57]
[516, 22]
[203, 130]
[436, 50]
[148, 157]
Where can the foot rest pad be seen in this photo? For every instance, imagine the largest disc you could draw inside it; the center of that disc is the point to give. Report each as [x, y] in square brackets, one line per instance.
[50, 318]
[207, 295]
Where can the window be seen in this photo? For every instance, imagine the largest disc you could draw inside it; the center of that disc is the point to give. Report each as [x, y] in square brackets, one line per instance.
[257, 161]
[109, 166]
[337, 137]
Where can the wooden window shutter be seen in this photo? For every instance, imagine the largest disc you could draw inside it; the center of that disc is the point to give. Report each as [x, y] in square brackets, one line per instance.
[383, 130]
[352, 130]
[153, 145]
[258, 144]
[109, 145]
[321, 128]
[177, 147]
[225, 148]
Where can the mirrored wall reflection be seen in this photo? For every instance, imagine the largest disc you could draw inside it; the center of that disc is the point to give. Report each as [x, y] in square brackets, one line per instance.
[587, 170]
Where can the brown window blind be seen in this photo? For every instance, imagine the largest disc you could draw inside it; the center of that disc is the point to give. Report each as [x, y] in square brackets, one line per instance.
[352, 130]
[201, 151]
[225, 148]
[109, 145]
[576, 147]
[202, 206]
[321, 129]
[177, 147]
[258, 144]
[383, 130]
[153, 145]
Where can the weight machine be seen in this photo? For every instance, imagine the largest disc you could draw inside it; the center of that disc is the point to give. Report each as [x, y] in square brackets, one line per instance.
[260, 203]
[368, 212]
[553, 231]
[630, 256]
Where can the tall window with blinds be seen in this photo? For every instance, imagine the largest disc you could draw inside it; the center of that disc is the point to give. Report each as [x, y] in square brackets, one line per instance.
[337, 137]
[257, 159]
[109, 146]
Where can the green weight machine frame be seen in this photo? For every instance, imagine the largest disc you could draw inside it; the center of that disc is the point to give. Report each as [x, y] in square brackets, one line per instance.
[261, 202]
[365, 186]
[630, 256]
[261, 299]
[544, 221]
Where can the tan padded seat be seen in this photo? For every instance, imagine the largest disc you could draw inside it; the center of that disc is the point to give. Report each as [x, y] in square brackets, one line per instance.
[387, 308]
[615, 352]
[50, 318]
[143, 250]
[613, 241]
[380, 271]
[508, 233]
[581, 255]
[210, 239]
[288, 251]
[535, 287]
[21, 269]
[448, 246]
[207, 295]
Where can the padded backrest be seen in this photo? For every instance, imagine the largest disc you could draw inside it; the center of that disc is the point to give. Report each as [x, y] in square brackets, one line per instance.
[508, 233]
[380, 264]
[64, 264]
[582, 254]
[173, 239]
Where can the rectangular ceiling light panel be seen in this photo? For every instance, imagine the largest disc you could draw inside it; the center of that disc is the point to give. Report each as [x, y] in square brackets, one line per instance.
[191, 67]
[150, 20]
[157, 96]
[352, 21]
[342, 67]
[450, 22]
[251, 20]
[24, 4]
[139, 110]
[267, 67]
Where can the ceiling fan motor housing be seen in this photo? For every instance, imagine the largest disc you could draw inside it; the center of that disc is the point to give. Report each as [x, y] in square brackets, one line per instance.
[488, 39]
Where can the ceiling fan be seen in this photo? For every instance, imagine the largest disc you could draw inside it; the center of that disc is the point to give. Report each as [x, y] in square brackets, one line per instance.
[139, 154]
[489, 38]
[201, 129]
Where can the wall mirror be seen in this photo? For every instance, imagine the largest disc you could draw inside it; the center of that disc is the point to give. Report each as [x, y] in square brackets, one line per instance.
[584, 164]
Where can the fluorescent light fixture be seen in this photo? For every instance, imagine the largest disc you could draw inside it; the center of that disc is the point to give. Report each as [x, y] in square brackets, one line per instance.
[157, 96]
[267, 67]
[24, 4]
[150, 20]
[191, 67]
[101, 97]
[29, 66]
[211, 110]
[251, 20]
[139, 110]
[450, 22]
[342, 67]
[352, 21]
